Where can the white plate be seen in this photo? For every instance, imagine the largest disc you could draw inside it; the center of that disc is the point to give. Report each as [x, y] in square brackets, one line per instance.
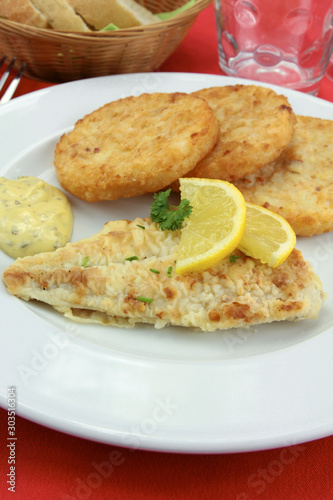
[171, 389]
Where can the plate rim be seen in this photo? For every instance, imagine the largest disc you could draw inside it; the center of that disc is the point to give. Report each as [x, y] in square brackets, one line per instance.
[165, 443]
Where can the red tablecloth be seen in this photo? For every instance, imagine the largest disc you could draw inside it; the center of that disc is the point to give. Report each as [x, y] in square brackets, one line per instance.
[52, 465]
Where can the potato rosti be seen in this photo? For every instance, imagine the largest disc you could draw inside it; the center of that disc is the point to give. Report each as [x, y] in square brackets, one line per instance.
[299, 184]
[256, 124]
[135, 145]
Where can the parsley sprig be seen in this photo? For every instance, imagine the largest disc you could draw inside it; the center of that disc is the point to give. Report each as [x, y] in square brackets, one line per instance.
[233, 258]
[168, 217]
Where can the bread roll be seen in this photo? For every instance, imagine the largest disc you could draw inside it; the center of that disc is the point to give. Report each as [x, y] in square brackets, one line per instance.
[22, 11]
[60, 15]
[122, 13]
[77, 15]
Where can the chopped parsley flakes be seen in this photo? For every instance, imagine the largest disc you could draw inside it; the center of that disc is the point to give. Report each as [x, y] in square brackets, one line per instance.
[85, 261]
[144, 299]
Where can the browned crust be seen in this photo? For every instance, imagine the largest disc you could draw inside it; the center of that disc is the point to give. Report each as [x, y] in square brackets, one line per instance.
[256, 124]
[22, 11]
[299, 184]
[135, 145]
[227, 295]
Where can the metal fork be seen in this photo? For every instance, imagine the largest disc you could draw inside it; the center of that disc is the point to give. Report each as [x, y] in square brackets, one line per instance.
[15, 81]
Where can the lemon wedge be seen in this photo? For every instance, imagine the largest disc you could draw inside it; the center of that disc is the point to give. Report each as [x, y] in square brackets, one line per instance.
[215, 226]
[267, 236]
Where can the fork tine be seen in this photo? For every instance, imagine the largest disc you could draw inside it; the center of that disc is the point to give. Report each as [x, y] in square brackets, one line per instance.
[13, 84]
[6, 73]
[2, 61]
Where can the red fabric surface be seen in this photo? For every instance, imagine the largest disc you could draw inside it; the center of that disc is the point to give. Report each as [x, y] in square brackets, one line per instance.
[52, 465]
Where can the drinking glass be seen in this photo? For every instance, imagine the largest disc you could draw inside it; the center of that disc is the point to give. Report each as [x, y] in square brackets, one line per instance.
[329, 69]
[284, 42]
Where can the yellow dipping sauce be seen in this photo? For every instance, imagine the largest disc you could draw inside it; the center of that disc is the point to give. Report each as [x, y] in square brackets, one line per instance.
[34, 217]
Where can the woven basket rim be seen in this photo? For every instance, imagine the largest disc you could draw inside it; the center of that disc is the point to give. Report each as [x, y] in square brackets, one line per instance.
[179, 19]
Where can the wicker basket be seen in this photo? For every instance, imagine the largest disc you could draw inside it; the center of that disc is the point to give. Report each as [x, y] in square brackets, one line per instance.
[58, 56]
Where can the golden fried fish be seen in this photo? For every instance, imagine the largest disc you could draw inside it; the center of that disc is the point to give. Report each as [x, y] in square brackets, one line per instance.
[125, 275]
[135, 145]
[299, 184]
[256, 124]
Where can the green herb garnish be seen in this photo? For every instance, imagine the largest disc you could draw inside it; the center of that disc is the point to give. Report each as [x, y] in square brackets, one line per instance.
[144, 299]
[167, 15]
[169, 217]
[233, 258]
[134, 257]
[110, 27]
[169, 271]
[142, 227]
[85, 260]
[154, 271]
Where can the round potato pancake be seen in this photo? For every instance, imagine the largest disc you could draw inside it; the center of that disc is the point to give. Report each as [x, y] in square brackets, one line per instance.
[299, 184]
[135, 145]
[256, 124]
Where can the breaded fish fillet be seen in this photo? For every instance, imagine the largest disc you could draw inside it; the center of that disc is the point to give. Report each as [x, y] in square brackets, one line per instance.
[299, 184]
[256, 124]
[135, 145]
[125, 275]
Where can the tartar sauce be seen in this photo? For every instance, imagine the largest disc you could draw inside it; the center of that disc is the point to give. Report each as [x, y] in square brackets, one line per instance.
[34, 217]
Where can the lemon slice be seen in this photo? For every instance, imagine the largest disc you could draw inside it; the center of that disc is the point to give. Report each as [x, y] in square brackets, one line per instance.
[215, 226]
[267, 236]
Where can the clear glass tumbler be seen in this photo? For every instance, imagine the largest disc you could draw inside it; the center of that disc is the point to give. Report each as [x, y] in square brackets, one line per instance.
[329, 69]
[284, 42]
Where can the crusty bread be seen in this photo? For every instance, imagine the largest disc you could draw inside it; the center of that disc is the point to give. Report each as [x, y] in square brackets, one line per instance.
[22, 11]
[77, 15]
[60, 15]
[122, 13]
